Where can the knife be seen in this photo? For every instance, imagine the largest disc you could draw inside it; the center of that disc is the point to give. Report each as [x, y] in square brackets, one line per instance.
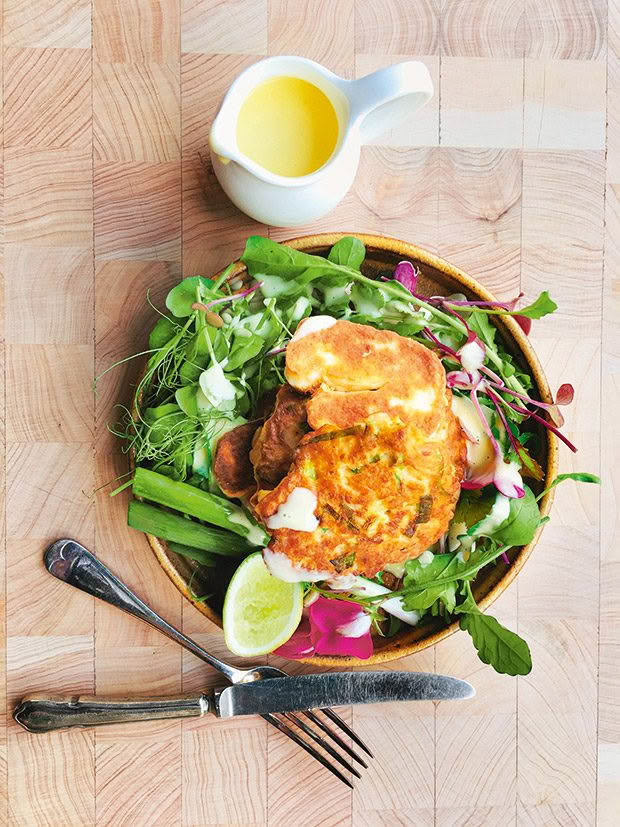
[39, 713]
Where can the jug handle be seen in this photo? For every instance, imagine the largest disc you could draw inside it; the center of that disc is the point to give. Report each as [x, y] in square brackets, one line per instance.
[386, 98]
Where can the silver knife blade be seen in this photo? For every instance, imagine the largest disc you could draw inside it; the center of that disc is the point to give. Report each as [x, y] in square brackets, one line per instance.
[301, 692]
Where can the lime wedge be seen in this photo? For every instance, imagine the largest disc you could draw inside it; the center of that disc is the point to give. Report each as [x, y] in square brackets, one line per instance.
[260, 611]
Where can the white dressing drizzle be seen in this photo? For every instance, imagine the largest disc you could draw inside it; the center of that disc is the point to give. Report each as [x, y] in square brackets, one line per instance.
[480, 453]
[255, 536]
[313, 324]
[426, 558]
[296, 512]
[496, 516]
[393, 606]
[217, 388]
[283, 568]
[507, 475]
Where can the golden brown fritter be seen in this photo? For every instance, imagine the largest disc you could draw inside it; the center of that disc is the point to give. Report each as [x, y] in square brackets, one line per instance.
[384, 492]
[385, 460]
[232, 467]
[274, 444]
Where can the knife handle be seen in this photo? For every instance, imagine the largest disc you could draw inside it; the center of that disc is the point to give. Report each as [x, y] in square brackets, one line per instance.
[44, 713]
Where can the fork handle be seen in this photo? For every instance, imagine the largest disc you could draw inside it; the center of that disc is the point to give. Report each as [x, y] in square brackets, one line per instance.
[44, 713]
[70, 562]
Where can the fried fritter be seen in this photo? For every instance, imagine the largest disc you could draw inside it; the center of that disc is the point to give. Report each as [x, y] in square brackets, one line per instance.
[232, 467]
[274, 444]
[384, 462]
[384, 494]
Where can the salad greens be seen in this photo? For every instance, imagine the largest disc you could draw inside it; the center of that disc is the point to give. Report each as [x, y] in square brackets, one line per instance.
[221, 347]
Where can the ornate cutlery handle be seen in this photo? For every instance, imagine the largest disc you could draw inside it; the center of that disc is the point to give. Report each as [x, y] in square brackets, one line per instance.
[44, 713]
[71, 562]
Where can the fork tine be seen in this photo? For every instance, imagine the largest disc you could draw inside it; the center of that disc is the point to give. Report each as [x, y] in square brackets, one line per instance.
[278, 724]
[335, 737]
[346, 729]
[318, 740]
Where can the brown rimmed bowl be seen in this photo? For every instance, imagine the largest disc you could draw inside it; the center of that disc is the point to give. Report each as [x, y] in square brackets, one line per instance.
[436, 277]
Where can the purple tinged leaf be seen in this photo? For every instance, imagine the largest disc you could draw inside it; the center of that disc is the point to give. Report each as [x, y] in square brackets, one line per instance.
[565, 394]
[544, 422]
[407, 275]
[524, 323]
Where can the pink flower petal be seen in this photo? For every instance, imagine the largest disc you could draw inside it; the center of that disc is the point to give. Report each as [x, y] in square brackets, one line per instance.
[327, 614]
[472, 355]
[473, 483]
[458, 379]
[507, 479]
[299, 645]
[327, 617]
[335, 644]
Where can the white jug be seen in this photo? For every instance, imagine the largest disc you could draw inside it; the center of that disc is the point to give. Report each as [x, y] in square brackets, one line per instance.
[365, 108]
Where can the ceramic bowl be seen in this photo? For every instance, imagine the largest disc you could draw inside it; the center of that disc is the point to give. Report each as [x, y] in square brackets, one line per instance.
[436, 277]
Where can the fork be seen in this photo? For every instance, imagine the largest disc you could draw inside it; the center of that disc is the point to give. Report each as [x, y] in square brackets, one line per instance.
[72, 563]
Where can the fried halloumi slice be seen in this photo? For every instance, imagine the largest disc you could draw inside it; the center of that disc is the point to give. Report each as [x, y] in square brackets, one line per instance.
[353, 371]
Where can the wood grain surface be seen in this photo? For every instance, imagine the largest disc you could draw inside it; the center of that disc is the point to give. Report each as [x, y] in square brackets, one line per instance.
[513, 173]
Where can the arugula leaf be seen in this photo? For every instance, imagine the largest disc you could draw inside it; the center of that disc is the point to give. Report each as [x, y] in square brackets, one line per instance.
[473, 506]
[496, 645]
[482, 325]
[441, 566]
[348, 251]
[422, 600]
[336, 294]
[522, 521]
[367, 301]
[529, 466]
[409, 328]
[543, 306]
[282, 270]
[578, 476]
[502, 649]
[423, 585]
[180, 299]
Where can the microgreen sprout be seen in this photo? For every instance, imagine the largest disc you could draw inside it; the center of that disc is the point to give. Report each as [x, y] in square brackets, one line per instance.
[225, 299]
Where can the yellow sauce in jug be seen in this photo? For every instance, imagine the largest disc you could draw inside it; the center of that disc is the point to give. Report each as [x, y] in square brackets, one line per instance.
[288, 126]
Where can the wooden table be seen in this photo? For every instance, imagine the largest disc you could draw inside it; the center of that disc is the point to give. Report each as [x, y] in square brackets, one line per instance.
[513, 173]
